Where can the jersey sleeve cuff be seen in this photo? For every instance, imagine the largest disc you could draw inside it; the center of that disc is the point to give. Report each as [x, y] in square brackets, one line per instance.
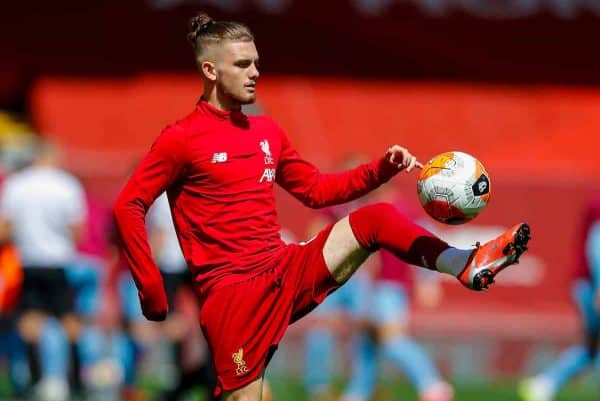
[384, 170]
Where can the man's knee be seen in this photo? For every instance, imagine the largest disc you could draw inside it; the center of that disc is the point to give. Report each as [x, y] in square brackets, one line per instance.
[30, 325]
[342, 252]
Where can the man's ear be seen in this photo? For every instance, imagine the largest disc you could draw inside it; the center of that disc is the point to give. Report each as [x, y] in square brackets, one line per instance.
[208, 69]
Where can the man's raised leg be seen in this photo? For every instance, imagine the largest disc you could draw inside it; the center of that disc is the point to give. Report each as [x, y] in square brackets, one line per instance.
[381, 225]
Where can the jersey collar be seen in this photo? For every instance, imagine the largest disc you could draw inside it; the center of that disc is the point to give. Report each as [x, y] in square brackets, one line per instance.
[218, 113]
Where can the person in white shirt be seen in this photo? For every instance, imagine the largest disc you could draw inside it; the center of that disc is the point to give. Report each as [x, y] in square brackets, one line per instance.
[44, 209]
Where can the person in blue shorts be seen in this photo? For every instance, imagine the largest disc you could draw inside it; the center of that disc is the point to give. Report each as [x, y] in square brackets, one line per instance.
[586, 294]
[376, 303]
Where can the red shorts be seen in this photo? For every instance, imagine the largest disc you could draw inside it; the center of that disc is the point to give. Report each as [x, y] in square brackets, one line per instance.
[243, 322]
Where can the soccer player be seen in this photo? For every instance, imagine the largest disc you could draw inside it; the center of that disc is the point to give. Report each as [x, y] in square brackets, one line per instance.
[219, 167]
[586, 294]
[386, 316]
[44, 209]
[102, 348]
[339, 313]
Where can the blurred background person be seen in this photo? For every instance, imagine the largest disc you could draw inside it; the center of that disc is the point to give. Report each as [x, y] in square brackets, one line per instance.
[338, 315]
[333, 322]
[44, 208]
[385, 325]
[11, 281]
[140, 335]
[103, 347]
[586, 293]
[165, 351]
[373, 307]
[11, 344]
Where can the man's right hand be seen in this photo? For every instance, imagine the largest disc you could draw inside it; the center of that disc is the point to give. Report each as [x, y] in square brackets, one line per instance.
[154, 304]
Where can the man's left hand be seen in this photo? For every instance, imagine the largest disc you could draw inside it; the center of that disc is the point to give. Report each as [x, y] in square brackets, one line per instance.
[402, 158]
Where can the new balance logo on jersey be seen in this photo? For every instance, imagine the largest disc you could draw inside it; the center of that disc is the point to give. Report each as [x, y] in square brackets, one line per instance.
[268, 175]
[219, 157]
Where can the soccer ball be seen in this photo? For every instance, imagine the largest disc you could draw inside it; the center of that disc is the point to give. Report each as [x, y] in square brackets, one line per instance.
[454, 187]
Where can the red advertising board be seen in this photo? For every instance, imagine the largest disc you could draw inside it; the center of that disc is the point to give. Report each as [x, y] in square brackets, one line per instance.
[538, 143]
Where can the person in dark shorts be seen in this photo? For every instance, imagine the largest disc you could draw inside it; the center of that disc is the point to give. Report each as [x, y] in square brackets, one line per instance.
[45, 210]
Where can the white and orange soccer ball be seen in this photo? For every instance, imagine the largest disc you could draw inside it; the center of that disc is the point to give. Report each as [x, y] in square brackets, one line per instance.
[454, 187]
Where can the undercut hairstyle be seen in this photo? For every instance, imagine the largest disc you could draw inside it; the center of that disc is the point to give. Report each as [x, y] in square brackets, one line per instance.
[205, 31]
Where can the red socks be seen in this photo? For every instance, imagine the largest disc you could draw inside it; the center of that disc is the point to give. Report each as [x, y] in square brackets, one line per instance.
[381, 225]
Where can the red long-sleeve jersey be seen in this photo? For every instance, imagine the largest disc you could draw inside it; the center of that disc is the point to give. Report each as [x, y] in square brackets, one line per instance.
[218, 169]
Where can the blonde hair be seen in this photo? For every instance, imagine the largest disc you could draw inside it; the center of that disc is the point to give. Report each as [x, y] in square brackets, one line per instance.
[204, 31]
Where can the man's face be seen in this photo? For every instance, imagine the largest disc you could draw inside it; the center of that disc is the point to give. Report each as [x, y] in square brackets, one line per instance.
[236, 68]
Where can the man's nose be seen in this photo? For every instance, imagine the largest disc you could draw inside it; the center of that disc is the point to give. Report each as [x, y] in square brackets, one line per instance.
[254, 74]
